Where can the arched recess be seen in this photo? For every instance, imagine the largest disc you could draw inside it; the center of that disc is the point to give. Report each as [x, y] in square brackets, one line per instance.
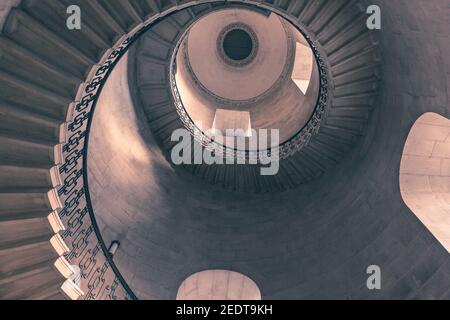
[218, 285]
[425, 174]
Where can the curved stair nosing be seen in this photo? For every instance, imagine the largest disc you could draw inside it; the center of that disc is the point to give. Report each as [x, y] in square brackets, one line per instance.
[21, 227]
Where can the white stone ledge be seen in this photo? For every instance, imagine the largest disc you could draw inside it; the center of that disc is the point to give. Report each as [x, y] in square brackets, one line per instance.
[56, 222]
[71, 109]
[58, 154]
[55, 177]
[53, 199]
[59, 245]
[63, 131]
[64, 267]
[71, 290]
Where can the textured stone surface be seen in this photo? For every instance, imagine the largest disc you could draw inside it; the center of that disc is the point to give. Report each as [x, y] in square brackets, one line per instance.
[312, 242]
[5, 7]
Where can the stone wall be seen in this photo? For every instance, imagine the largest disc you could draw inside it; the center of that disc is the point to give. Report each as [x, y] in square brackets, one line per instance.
[5, 7]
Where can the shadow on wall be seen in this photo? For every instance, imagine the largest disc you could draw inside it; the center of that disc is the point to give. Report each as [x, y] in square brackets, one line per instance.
[425, 174]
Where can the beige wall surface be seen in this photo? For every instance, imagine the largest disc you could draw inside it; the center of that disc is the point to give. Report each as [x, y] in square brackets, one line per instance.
[425, 174]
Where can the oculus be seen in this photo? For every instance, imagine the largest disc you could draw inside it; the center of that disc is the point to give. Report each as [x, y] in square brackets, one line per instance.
[237, 44]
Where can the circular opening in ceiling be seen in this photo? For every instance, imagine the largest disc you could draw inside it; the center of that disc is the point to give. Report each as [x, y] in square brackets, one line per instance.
[237, 44]
[221, 93]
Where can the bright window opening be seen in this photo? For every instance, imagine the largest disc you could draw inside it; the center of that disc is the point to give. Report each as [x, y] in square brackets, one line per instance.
[218, 285]
[303, 66]
[425, 174]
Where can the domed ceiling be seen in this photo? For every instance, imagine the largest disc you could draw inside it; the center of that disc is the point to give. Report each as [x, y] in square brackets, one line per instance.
[256, 92]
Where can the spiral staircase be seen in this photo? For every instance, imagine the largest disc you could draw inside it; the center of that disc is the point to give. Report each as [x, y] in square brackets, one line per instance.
[49, 79]
[349, 47]
[43, 65]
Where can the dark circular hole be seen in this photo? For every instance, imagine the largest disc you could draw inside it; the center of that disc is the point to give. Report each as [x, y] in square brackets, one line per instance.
[237, 44]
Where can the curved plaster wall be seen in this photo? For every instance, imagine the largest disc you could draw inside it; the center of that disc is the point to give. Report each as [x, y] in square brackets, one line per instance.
[312, 242]
[242, 82]
[425, 174]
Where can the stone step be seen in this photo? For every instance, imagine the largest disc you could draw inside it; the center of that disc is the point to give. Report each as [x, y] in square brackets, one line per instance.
[19, 123]
[361, 42]
[22, 232]
[356, 87]
[325, 18]
[30, 285]
[357, 74]
[366, 50]
[312, 10]
[25, 258]
[347, 36]
[145, 8]
[14, 177]
[24, 153]
[356, 99]
[341, 20]
[123, 12]
[22, 92]
[22, 63]
[31, 34]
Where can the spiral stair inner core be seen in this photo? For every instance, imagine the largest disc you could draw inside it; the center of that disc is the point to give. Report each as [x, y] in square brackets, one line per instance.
[263, 88]
[316, 128]
[85, 139]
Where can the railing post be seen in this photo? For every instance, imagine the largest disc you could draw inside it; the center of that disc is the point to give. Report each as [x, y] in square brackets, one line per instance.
[113, 247]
